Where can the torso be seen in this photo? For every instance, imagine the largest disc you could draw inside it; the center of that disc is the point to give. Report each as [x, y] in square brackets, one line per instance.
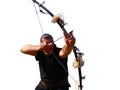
[51, 66]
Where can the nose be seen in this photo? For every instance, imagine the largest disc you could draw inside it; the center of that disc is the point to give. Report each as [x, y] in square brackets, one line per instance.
[49, 44]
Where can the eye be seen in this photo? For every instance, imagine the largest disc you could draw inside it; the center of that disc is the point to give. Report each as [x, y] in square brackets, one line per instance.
[48, 42]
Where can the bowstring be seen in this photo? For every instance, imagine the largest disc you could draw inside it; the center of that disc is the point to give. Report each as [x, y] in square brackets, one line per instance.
[38, 17]
[64, 68]
[54, 41]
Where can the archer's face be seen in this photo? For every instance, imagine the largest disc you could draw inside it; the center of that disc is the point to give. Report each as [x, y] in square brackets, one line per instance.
[48, 44]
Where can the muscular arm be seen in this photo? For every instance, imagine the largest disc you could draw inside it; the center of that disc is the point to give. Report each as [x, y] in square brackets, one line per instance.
[66, 50]
[30, 49]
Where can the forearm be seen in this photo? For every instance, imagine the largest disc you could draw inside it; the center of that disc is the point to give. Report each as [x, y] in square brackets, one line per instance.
[30, 49]
[66, 50]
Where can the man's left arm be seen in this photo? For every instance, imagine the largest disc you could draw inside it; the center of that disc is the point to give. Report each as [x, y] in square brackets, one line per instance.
[67, 48]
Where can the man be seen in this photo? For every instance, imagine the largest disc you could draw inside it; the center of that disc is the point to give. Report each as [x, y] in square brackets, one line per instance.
[52, 61]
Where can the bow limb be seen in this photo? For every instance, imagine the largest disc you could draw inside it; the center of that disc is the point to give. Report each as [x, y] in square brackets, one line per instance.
[59, 20]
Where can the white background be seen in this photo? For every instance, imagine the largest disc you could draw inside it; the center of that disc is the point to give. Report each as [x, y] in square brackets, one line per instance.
[96, 25]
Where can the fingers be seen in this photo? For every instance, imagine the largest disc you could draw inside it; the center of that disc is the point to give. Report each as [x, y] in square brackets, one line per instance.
[66, 35]
[70, 40]
[71, 32]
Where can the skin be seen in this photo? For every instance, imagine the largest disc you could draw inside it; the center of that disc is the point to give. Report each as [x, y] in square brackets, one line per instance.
[47, 46]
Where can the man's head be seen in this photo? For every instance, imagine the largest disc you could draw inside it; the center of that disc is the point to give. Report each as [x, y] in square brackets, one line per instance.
[46, 36]
[47, 42]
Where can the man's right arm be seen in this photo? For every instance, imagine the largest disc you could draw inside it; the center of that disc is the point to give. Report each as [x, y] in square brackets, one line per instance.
[30, 49]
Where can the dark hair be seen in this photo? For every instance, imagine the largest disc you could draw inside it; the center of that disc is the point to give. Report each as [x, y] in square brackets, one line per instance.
[46, 36]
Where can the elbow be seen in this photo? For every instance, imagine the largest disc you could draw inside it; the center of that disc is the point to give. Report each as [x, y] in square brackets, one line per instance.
[22, 50]
[62, 56]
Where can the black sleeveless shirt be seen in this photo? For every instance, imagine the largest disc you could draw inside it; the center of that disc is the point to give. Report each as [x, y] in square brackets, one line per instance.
[52, 68]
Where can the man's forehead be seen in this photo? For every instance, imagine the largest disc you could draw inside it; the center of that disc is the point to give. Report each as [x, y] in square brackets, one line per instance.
[48, 40]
